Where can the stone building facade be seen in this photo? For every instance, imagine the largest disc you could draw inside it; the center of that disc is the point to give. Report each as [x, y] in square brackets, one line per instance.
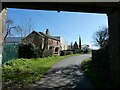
[43, 41]
[64, 43]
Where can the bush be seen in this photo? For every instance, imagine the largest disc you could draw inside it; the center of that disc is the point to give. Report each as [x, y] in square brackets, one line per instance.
[99, 67]
[77, 51]
[65, 52]
[69, 52]
[26, 50]
[86, 51]
[100, 59]
[38, 53]
[62, 53]
[97, 77]
[47, 53]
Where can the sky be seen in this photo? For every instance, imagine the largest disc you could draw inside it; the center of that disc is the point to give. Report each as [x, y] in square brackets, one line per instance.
[69, 25]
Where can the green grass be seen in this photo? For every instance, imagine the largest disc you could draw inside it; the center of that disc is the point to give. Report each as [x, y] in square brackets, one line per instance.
[95, 75]
[23, 72]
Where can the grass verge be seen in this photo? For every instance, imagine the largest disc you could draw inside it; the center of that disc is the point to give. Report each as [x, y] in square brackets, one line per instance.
[23, 72]
[96, 76]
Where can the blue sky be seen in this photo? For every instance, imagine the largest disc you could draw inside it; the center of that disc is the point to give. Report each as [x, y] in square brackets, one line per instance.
[66, 24]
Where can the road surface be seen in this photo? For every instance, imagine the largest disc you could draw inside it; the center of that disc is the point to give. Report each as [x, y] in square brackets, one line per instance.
[66, 74]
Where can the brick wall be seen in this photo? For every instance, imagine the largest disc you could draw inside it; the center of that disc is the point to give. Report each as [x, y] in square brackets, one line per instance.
[34, 38]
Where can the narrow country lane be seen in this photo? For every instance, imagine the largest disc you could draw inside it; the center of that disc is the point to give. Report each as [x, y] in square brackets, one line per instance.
[74, 60]
[66, 74]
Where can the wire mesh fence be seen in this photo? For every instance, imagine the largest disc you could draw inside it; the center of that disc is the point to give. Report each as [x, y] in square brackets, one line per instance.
[10, 51]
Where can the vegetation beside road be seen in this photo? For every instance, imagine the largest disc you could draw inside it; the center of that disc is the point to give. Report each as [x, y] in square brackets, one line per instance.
[95, 75]
[97, 68]
[23, 72]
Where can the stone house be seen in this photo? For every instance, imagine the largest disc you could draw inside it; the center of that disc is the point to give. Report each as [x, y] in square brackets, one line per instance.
[85, 47]
[43, 41]
[64, 43]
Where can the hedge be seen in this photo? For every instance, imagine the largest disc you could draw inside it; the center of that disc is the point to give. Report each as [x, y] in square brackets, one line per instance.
[100, 59]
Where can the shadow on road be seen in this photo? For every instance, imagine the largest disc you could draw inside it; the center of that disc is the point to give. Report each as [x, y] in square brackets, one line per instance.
[60, 78]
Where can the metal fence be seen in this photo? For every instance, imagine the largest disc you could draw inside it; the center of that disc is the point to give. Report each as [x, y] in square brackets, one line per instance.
[10, 51]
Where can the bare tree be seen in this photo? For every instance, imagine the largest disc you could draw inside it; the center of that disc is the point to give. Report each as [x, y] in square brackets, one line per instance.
[10, 27]
[27, 26]
[101, 37]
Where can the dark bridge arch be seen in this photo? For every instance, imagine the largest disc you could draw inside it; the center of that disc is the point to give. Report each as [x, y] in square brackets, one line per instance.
[110, 8]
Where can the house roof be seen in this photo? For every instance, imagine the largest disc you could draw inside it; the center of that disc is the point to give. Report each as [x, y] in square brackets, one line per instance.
[48, 36]
[41, 33]
[53, 38]
[44, 35]
[57, 37]
[12, 39]
[38, 33]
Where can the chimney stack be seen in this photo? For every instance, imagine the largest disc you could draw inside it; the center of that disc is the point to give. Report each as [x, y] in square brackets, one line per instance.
[47, 32]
